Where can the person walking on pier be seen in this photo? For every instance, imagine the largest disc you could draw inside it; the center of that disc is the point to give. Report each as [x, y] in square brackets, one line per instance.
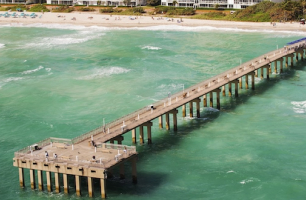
[46, 155]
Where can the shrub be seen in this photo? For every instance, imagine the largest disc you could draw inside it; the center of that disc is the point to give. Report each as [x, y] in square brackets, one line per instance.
[110, 10]
[86, 9]
[39, 8]
[64, 9]
[138, 10]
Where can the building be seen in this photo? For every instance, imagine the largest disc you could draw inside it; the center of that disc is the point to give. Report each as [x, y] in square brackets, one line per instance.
[235, 4]
[98, 2]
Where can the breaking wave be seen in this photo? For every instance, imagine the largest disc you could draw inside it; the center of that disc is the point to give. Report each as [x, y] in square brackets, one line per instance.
[299, 106]
[99, 73]
[32, 70]
[151, 48]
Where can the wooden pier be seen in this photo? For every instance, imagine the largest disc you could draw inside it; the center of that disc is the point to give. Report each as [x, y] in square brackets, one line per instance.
[89, 155]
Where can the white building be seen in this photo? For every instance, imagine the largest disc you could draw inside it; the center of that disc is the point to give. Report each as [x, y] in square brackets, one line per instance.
[237, 4]
[96, 2]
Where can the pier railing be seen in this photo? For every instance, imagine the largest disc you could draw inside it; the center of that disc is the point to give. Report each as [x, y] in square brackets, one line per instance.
[213, 82]
[123, 151]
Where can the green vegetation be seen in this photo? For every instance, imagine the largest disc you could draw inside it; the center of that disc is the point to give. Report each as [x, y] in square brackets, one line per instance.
[128, 11]
[14, 8]
[64, 9]
[174, 10]
[265, 11]
[110, 10]
[86, 9]
[39, 8]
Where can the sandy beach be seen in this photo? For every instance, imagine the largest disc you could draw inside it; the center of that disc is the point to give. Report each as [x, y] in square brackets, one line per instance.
[96, 19]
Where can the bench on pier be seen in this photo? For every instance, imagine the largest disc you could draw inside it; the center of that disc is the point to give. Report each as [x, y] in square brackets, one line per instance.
[65, 157]
[106, 151]
[59, 145]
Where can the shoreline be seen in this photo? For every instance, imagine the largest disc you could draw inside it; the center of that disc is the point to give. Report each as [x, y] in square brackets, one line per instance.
[103, 20]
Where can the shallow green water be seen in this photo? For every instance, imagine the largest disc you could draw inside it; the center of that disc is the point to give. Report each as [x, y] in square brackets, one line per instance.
[62, 81]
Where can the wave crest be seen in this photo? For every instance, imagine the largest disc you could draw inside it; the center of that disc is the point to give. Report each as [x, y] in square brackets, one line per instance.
[99, 73]
[299, 106]
[151, 48]
[32, 70]
[2, 45]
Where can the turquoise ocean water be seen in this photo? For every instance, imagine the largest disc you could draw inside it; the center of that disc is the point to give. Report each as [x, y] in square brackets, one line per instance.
[61, 81]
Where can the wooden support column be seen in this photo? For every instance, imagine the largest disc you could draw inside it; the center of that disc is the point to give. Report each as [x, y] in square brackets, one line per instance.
[134, 136]
[296, 57]
[236, 88]
[240, 82]
[32, 179]
[65, 180]
[90, 186]
[141, 134]
[57, 183]
[261, 72]
[49, 185]
[40, 180]
[246, 81]
[281, 66]
[267, 71]
[102, 185]
[275, 66]
[252, 74]
[270, 66]
[204, 100]
[191, 109]
[134, 170]
[122, 176]
[21, 177]
[223, 90]
[198, 108]
[174, 113]
[111, 141]
[211, 99]
[286, 61]
[230, 87]
[184, 110]
[160, 120]
[291, 59]
[149, 135]
[218, 98]
[167, 121]
[77, 185]
[119, 139]
[256, 73]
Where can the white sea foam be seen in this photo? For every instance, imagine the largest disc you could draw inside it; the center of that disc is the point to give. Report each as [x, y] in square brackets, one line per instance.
[48, 69]
[249, 180]
[299, 106]
[32, 70]
[231, 171]
[151, 48]
[99, 73]
[2, 45]
[155, 28]
[12, 79]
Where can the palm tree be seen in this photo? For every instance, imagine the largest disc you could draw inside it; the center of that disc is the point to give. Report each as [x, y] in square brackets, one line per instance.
[175, 3]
